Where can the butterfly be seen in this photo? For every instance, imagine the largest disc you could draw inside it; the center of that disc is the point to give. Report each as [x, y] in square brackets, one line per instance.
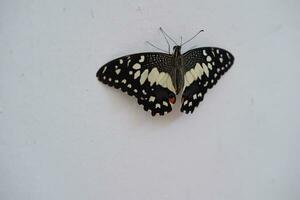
[155, 78]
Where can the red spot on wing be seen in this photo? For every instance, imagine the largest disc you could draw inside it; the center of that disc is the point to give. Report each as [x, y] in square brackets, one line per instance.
[172, 100]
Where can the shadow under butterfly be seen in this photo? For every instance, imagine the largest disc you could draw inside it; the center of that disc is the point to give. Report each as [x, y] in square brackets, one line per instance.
[155, 78]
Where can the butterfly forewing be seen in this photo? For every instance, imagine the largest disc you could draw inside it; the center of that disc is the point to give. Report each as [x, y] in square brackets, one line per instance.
[203, 67]
[147, 76]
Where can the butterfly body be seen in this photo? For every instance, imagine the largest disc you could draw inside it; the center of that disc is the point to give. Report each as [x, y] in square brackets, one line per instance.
[156, 78]
[178, 69]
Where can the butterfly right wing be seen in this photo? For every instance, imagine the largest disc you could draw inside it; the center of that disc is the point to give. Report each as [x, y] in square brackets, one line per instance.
[203, 68]
[147, 76]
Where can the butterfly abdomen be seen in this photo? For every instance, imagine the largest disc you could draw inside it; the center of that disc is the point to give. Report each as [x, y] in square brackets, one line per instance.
[179, 80]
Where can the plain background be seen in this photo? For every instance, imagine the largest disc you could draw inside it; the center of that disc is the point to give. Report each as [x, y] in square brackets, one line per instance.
[64, 135]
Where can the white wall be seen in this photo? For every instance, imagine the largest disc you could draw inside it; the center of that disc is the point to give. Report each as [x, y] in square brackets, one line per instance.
[64, 135]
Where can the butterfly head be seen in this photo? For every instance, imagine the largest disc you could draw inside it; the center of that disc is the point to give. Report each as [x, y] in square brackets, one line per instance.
[177, 50]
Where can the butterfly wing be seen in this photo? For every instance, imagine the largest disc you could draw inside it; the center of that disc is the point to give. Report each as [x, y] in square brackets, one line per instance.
[203, 67]
[147, 76]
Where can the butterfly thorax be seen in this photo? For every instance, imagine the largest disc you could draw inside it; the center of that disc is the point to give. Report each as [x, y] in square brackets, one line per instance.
[178, 78]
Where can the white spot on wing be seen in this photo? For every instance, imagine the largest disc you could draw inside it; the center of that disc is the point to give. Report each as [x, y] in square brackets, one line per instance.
[212, 51]
[137, 74]
[152, 99]
[161, 78]
[104, 69]
[170, 84]
[205, 69]
[189, 77]
[157, 105]
[199, 70]
[142, 59]
[228, 55]
[153, 75]
[165, 103]
[208, 58]
[118, 71]
[209, 66]
[194, 73]
[121, 61]
[144, 76]
[136, 66]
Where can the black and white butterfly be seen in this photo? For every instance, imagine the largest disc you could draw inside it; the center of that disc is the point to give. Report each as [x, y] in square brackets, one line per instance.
[156, 78]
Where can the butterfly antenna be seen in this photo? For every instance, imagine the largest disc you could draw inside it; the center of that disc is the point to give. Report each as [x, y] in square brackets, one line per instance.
[167, 42]
[192, 37]
[155, 46]
[180, 40]
[162, 30]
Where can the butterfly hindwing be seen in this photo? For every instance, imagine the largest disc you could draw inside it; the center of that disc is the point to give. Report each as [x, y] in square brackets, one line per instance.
[147, 76]
[203, 67]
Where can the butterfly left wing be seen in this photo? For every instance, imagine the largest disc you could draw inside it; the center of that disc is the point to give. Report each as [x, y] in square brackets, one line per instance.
[203, 67]
[147, 76]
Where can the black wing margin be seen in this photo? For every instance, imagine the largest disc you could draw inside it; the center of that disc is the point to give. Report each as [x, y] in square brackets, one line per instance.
[145, 76]
[203, 68]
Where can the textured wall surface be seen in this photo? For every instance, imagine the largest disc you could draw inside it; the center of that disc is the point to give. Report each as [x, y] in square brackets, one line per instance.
[64, 135]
